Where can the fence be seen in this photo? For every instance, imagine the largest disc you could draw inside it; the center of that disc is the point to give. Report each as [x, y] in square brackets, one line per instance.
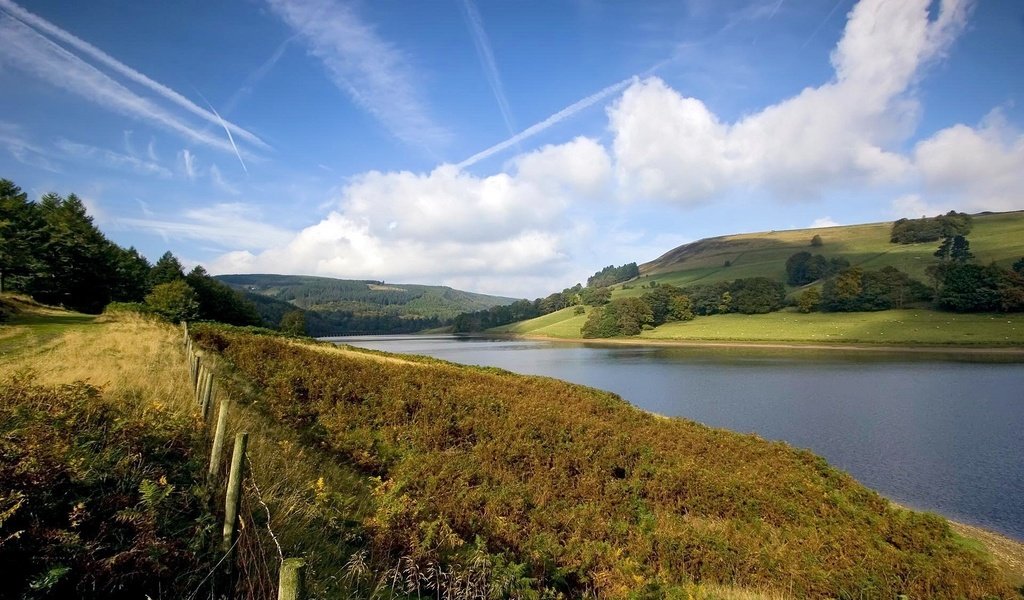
[291, 571]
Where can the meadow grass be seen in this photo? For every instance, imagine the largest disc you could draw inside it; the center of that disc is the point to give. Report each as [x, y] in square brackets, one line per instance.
[28, 324]
[564, 323]
[140, 363]
[899, 327]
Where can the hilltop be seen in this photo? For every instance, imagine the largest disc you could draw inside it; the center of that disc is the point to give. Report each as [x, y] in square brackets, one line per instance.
[995, 237]
[347, 306]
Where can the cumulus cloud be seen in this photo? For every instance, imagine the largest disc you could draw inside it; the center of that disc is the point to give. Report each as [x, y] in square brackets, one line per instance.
[668, 146]
[983, 167]
[447, 224]
[913, 206]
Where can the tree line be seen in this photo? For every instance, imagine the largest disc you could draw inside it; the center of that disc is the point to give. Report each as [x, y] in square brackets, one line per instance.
[53, 251]
[597, 293]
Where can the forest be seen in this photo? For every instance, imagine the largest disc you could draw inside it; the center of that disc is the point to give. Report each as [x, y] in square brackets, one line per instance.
[52, 251]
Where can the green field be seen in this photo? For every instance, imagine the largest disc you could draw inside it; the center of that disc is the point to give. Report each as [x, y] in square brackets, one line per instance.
[561, 324]
[923, 327]
[914, 327]
[997, 237]
[27, 325]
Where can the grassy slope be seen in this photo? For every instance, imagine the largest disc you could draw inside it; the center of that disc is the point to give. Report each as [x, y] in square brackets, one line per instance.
[584, 492]
[563, 323]
[995, 238]
[28, 324]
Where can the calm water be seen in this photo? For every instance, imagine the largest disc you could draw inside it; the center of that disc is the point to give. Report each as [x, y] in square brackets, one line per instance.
[933, 432]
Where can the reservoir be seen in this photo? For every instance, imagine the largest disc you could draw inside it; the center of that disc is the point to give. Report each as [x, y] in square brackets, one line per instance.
[938, 432]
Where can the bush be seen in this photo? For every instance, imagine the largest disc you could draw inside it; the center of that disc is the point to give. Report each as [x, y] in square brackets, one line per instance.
[912, 231]
[97, 502]
[175, 301]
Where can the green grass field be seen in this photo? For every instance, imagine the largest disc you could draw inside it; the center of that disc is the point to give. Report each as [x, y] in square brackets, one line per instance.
[912, 327]
[917, 327]
[560, 324]
[995, 238]
[30, 325]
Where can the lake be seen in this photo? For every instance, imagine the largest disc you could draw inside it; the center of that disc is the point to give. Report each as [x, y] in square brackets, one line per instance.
[934, 432]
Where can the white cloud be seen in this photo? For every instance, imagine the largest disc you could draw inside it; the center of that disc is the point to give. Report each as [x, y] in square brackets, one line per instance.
[503, 232]
[13, 140]
[373, 72]
[983, 167]
[228, 225]
[671, 147]
[221, 183]
[187, 162]
[824, 222]
[111, 159]
[558, 117]
[913, 206]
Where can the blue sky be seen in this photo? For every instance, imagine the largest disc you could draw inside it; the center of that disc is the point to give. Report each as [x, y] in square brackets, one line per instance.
[504, 147]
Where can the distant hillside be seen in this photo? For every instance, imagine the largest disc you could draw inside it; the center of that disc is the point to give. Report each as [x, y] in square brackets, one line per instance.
[707, 268]
[345, 306]
[995, 237]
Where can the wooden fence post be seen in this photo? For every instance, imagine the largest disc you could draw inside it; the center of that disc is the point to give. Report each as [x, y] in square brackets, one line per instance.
[218, 442]
[234, 497]
[207, 399]
[292, 580]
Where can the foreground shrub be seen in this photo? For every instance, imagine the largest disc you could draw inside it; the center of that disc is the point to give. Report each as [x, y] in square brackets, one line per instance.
[95, 501]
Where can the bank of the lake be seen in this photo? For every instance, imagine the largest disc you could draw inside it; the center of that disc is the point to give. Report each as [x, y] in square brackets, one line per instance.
[936, 429]
[891, 328]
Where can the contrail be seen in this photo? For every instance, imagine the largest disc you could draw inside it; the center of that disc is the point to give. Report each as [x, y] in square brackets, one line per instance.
[226, 130]
[820, 25]
[483, 50]
[559, 116]
[41, 24]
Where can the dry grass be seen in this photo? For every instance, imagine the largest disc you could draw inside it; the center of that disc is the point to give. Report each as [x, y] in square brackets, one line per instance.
[142, 362]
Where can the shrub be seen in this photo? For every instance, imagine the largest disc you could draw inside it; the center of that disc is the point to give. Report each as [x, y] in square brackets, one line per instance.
[175, 301]
[96, 502]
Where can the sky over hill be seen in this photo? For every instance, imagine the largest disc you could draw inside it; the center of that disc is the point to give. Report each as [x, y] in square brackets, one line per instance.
[504, 147]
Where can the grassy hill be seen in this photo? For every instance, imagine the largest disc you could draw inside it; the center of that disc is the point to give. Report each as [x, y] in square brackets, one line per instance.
[995, 237]
[405, 477]
[344, 306]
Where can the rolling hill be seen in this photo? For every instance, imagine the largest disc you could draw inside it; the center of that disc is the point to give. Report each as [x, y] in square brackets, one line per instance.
[345, 306]
[995, 237]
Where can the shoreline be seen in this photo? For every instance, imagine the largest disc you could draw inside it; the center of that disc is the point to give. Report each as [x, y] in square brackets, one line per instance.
[776, 345]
